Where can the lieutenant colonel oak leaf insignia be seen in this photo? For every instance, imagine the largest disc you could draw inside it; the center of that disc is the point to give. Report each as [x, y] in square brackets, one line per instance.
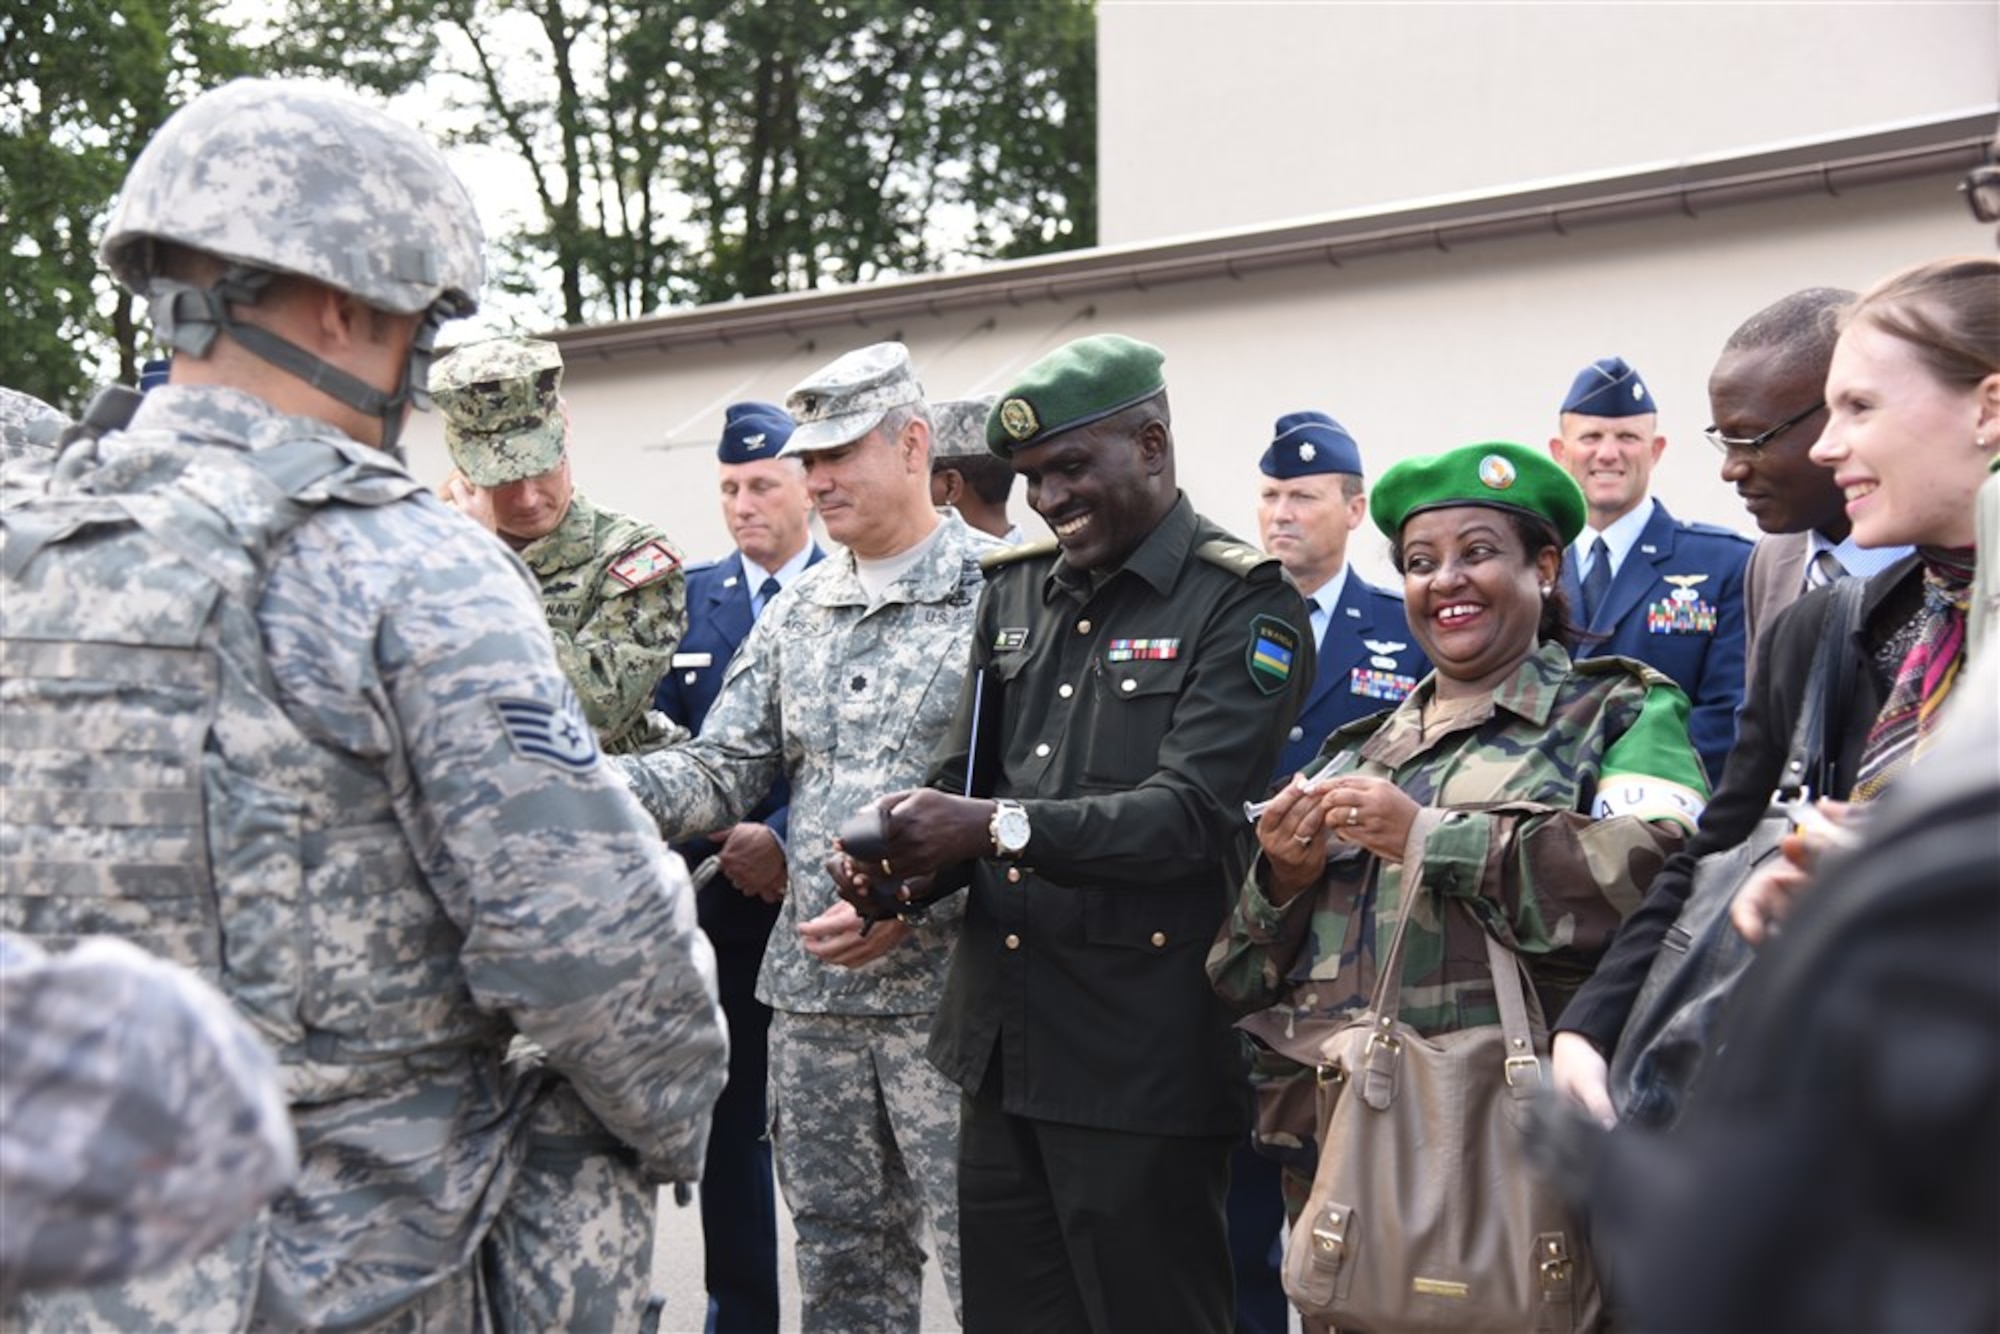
[548, 733]
[1273, 645]
[645, 563]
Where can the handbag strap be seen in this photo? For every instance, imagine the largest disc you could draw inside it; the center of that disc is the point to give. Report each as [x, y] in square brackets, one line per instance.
[1809, 764]
[1518, 1026]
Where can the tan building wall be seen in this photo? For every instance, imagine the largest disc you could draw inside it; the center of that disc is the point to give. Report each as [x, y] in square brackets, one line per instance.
[1233, 113]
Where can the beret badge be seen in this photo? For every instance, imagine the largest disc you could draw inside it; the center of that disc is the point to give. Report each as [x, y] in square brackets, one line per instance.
[1017, 418]
[1496, 472]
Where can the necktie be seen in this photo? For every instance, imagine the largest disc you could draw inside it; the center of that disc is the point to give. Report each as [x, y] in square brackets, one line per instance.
[769, 589]
[1598, 582]
[1823, 569]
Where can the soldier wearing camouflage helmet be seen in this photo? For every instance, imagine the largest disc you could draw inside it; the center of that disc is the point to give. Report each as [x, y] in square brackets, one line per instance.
[841, 687]
[964, 474]
[612, 587]
[279, 715]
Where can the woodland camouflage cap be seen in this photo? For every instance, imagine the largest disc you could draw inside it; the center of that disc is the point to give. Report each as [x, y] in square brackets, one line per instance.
[502, 411]
[293, 177]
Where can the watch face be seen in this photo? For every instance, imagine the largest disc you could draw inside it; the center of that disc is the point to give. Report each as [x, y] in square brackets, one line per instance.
[1011, 828]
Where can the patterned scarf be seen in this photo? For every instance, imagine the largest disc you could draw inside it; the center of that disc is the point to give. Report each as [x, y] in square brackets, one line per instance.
[1903, 729]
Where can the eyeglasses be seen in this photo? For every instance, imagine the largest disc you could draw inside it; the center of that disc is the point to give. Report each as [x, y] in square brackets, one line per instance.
[1981, 188]
[1755, 444]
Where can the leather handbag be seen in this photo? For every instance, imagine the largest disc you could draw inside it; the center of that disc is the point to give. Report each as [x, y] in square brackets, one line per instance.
[1676, 1016]
[1424, 1212]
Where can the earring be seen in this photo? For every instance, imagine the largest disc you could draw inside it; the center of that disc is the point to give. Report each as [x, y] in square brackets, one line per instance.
[1548, 589]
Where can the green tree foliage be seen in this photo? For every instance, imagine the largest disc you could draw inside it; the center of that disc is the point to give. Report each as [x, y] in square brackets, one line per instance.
[83, 85]
[671, 151]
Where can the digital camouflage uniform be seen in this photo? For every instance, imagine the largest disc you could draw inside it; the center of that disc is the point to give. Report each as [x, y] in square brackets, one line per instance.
[1563, 797]
[29, 427]
[612, 587]
[399, 885]
[616, 601]
[845, 699]
[140, 1119]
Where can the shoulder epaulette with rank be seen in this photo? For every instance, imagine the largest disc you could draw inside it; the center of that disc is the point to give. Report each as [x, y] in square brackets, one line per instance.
[1611, 664]
[1239, 558]
[1004, 556]
[1713, 530]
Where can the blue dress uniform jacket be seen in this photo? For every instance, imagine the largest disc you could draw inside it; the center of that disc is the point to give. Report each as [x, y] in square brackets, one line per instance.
[1136, 721]
[1368, 662]
[719, 616]
[1677, 606]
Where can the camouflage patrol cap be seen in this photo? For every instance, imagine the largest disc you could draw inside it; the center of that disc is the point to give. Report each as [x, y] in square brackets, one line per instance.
[28, 425]
[958, 428]
[502, 406]
[848, 397]
[295, 178]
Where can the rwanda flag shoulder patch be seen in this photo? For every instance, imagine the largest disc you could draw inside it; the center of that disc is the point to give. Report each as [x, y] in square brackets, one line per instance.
[1273, 645]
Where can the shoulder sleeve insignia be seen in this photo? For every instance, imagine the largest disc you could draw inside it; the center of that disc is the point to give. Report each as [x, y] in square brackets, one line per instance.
[1273, 645]
[645, 563]
[552, 735]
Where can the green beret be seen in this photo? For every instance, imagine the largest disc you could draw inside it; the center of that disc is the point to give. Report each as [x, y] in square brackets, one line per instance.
[1497, 475]
[1077, 384]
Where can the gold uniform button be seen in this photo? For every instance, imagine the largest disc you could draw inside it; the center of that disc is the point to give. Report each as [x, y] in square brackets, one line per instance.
[1013, 875]
[1159, 938]
[1083, 627]
[1065, 690]
[1128, 685]
[1013, 941]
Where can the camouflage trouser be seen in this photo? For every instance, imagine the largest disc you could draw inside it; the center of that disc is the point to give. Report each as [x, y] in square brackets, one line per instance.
[865, 1133]
[573, 1247]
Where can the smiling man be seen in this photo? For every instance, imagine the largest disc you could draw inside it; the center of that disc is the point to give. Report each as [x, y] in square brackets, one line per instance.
[1644, 584]
[1767, 398]
[1146, 665]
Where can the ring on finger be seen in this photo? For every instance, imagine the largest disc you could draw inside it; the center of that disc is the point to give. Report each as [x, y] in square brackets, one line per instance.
[885, 869]
[1354, 815]
[1303, 839]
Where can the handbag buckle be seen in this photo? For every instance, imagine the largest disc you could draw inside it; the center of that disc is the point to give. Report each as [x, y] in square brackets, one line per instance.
[1530, 1064]
[1330, 1234]
[1390, 1044]
[1332, 1072]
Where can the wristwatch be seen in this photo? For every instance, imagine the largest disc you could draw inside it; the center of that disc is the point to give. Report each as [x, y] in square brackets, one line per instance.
[1009, 829]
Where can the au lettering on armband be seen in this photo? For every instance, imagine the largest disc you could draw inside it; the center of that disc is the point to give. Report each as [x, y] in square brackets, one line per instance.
[1649, 798]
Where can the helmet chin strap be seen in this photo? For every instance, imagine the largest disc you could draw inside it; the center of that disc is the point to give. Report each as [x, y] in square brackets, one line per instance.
[188, 318]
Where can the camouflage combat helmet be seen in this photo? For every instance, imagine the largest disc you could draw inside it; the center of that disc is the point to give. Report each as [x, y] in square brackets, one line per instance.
[295, 178]
[502, 415]
[274, 176]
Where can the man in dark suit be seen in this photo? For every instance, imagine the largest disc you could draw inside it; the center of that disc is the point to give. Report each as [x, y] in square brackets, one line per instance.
[1642, 583]
[1767, 400]
[1310, 501]
[765, 505]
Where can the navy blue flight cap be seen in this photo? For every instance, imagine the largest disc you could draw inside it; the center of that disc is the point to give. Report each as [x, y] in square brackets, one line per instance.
[1608, 387]
[753, 431]
[1308, 443]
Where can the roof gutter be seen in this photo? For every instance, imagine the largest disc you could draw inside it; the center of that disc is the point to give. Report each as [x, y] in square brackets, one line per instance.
[1832, 166]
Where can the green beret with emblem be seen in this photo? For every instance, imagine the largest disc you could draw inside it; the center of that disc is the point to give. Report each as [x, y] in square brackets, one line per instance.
[1497, 475]
[1079, 383]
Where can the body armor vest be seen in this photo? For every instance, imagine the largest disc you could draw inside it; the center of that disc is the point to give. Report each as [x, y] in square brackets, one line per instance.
[156, 789]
